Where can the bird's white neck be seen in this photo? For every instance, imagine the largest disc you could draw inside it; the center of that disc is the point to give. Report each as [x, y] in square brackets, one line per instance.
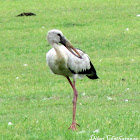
[56, 47]
[58, 50]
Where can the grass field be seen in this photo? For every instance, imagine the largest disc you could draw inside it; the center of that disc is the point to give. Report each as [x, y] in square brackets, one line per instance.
[38, 103]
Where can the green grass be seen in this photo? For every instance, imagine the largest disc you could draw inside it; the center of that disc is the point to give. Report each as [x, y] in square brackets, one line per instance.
[38, 103]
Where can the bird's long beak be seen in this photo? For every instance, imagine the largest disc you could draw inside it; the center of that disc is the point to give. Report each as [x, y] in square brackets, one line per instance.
[70, 47]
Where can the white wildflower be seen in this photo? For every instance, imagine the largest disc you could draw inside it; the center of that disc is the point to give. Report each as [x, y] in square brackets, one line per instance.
[17, 77]
[10, 123]
[83, 93]
[109, 98]
[25, 65]
[83, 131]
[96, 131]
[126, 100]
[138, 15]
[127, 89]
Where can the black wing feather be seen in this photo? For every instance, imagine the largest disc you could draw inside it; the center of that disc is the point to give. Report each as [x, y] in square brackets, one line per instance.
[90, 73]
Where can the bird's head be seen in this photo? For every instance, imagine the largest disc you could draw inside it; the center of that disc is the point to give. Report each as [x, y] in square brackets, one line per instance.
[56, 36]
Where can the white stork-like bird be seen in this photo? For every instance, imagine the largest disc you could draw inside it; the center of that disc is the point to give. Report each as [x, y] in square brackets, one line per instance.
[63, 59]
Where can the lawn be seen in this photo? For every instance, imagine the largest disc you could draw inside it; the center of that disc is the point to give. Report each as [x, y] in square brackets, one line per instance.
[36, 104]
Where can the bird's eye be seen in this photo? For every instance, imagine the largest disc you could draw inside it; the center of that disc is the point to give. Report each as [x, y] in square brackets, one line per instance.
[58, 34]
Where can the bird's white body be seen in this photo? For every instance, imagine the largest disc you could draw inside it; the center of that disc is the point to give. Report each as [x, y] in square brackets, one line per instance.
[61, 61]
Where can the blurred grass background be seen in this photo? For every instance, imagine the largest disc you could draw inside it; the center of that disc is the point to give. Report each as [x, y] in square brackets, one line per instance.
[38, 103]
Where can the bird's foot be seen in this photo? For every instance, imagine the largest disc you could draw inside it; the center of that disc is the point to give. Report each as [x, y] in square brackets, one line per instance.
[73, 126]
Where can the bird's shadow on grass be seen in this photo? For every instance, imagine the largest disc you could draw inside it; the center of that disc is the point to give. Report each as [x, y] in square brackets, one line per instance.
[72, 24]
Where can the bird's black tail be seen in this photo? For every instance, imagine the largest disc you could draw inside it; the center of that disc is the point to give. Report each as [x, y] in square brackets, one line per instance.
[92, 74]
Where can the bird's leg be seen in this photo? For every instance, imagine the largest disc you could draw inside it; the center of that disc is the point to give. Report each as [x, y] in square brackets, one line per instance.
[73, 125]
[75, 91]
